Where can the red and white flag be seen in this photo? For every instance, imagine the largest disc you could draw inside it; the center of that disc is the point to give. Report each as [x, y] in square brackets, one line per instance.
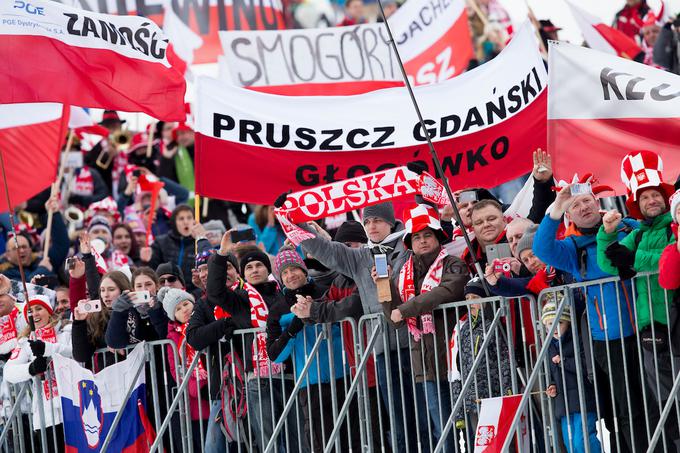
[31, 137]
[484, 138]
[88, 59]
[184, 40]
[604, 107]
[495, 419]
[602, 37]
[310, 62]
[433, 38]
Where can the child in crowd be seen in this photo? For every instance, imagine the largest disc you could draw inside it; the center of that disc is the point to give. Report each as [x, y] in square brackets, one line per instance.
[178, 305]
[563, 388]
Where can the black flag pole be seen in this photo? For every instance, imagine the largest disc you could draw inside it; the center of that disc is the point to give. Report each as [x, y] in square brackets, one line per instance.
[433, 152]
[31, 323]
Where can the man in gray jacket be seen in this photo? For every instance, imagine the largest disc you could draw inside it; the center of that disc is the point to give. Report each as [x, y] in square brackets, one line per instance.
[384, 236]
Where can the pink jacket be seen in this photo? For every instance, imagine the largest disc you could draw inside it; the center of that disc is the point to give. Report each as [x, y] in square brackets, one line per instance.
[195, 385]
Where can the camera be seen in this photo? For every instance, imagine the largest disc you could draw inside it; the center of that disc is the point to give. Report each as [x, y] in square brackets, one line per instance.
[502, 267]
[70, 263]
[136, 172]
[381, 265]
[90, 306]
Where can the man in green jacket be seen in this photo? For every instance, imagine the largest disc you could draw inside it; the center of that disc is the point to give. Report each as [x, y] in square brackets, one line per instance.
[640, 251]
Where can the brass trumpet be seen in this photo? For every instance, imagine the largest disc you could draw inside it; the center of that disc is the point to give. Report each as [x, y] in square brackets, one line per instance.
[120, 140]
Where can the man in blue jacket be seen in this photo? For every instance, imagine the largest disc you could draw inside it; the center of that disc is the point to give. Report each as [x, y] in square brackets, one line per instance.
[610, 312]
[287, 335]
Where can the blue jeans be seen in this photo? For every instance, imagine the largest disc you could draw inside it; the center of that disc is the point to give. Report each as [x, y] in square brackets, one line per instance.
[215, 441]
[573, 422]
[401, 416]
[265, 404]
[437, 418]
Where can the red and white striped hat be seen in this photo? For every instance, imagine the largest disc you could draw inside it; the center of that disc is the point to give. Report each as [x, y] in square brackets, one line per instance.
[420, 217]
[642, 170]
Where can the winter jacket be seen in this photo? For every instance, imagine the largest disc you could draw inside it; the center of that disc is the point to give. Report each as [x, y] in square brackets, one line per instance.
[426, 359]
[272, 237]
[493, 375]
[669, 265]
[667, 50]
[198, 401]
[287, 335]
[339, 302]
[577, 255]
[655, 238]
[129, 327]
[16, 371]
[57, 254]
[99, 191]
[357, 264]
[205, 331]
[174, 248]
[544, 196]
[569, 397]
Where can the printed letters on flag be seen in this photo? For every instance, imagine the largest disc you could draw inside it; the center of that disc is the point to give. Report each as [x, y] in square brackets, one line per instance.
[604, 107]
[205, 17]
[495, 418]
[91, 401]
[31, 137]
[88, 59]
[317, 61]
[433, 38]
[484, 138]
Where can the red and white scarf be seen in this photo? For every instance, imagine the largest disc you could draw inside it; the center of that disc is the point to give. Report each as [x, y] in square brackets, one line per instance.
[48, 334]
[200, 370]
[407, 291]
[454, 348]
[258, 319]
[8, 326]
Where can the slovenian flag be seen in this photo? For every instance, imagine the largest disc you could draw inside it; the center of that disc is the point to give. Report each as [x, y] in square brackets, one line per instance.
[90, 402]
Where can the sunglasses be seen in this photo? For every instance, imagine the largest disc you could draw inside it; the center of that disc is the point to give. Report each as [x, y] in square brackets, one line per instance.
[171, 279]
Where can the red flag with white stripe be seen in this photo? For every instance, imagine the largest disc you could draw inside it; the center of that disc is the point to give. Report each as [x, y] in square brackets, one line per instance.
[484, 138]
[495, 419]
[602, 37]
[604, 107]
[31, 137]
[69, 55]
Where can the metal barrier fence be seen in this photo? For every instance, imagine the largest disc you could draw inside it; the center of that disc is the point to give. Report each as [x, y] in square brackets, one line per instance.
[361, 385]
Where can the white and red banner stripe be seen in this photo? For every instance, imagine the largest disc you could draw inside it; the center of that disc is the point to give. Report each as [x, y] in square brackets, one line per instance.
[205, 17]
[88, 59]
[603, 37]
[495, 419]
[31, 137]
[433, 38]
[318, 61]
[602, 107]
[484, 138]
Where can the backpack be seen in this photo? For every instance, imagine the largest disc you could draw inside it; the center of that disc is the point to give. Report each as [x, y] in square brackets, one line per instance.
[233, 396]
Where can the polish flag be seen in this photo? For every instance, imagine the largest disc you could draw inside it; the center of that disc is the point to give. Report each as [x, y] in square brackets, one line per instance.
[88, 59]
[31, 137]
[602, 37]
[604, 107]
[495, 419]
[184, 40]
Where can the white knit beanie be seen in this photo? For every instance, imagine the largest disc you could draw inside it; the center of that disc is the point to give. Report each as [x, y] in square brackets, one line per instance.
[675, 201]
[170, 298]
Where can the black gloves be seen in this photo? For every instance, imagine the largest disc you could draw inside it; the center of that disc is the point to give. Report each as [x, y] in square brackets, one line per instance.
[622, 258]
[38, 366]
[122, 303]
[37, 347]
[281, 199]
[228, 328]
[295, 327]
